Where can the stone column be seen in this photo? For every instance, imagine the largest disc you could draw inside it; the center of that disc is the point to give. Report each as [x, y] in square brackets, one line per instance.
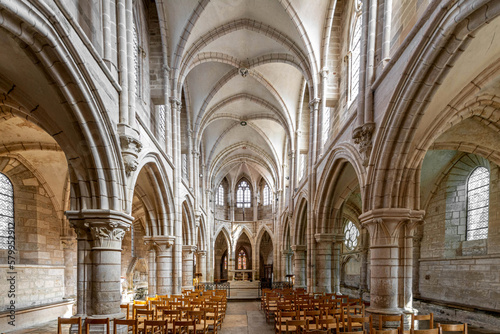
[390, 231]
[164, 264]
[84, 269]
[363, 280]
[284, 264]
[187, 266]
[299, 252]
[68, 243]
[324, 262]
[202, 266]
[337, 246]
[417, 241]
[103, 231]
[151, 266]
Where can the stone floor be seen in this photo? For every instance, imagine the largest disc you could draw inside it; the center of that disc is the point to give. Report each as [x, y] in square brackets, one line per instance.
[242, 317]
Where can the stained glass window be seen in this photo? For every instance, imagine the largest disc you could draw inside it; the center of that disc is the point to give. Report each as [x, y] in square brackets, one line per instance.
[326, 125]
[225, 262]
[243, 195]
[478, 200]
[184, 166]
[242, 260]
[162, 123]
[354, 59]
[302, 164]
[267, 195]
[6, 211]
[351, 233]
[220, 195]
[136, 60]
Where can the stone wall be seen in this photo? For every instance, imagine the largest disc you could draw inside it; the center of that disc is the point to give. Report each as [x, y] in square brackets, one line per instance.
[39, 261]
[453, 269]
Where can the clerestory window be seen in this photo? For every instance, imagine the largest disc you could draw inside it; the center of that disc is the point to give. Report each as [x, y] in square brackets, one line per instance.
[478, 200]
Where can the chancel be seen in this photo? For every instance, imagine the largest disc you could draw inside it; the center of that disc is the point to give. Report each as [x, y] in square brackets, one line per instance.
[162, 154]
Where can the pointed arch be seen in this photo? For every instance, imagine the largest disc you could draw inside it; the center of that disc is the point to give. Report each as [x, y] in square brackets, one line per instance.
[300, 224]
[188, 222]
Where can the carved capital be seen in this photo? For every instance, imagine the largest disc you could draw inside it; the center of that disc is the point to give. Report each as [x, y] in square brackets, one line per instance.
[175, 104]
[105, 228]
[324, 237]
[107, 235]
[386, 226]
[131, 146]
[314, 103]
[163, 243]
[324, 72]
[187, 252]
[201, 253]
[68, 242]
[299, 248]
[363, 137]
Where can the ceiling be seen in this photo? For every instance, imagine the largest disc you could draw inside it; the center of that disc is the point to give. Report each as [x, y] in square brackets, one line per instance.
[243, 65]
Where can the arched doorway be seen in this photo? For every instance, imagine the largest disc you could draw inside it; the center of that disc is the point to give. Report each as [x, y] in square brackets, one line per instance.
[222, 256]
[243, 259]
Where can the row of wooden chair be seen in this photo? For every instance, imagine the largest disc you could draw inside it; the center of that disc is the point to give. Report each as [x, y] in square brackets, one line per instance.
[150, 327]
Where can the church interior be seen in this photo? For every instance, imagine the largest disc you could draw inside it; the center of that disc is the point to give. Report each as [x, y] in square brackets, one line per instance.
[337, 146]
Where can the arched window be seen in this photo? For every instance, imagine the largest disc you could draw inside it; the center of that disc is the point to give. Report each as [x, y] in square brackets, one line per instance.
[6, 212]
[478, 200]
[243, 195]
[355, 53]
[351, 233]
[267, 195]
[220, 195]
[242, 260]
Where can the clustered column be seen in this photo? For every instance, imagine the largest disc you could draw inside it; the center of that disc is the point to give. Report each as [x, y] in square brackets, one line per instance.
[390, 258]
[187, 266]
[300, 265]
[100, 234]
[324, 262]
[164, 264]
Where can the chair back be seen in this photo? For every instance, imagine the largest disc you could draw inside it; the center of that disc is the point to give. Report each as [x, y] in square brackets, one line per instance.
[425, 331]
[390, 318]
[147, 314]
[422, 317]
[69, 321]
[126, 322]
[126, 307]
[98, 322]
[155, 326]
[387, 331]
[460, 328]
[178, 326]
[355, 321]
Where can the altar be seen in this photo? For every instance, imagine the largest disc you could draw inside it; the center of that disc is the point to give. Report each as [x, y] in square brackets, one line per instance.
[243, 275]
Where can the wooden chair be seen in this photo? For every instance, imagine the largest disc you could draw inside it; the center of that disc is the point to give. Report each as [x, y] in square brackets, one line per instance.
[391, 318]
[283, 317]
[69, 321]
[387, 331]
[127, 309]
[201, 320]
[320, 331]
[360, 322]
[459, 328]
[425, 331]
[136, 307]
[142, 315]
[179, 325]
[295, 326]
[422, 317]
[98, 322]
[155, 327]
[212, 318]
[129, 323]
[330, 324]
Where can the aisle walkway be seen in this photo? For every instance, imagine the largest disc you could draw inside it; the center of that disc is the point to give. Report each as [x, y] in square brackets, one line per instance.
[245, 318]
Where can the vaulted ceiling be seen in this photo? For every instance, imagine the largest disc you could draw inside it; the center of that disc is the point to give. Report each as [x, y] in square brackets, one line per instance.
[242, 66]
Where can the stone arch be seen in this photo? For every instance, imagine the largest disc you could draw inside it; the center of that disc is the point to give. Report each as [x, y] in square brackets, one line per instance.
[188, 222]
[300, 227]
[327, 193]
[84, 134]
[457, 26]
[159, 193]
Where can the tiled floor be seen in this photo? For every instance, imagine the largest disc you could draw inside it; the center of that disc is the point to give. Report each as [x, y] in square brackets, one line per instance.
[241, 318]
